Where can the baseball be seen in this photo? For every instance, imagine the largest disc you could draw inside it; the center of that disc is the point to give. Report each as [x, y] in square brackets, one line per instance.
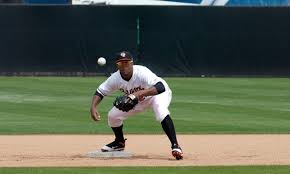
[101, 61]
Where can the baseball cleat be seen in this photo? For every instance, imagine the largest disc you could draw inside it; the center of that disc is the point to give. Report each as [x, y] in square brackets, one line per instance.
[177, 152]
[114, 146]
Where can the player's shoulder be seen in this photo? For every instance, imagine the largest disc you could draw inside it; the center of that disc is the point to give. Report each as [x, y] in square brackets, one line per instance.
[143, 72]
[141, 68]
[114, 76]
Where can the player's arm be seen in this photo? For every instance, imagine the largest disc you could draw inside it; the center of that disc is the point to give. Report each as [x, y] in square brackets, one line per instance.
[103, 90]
[97, 98]
[158, 88]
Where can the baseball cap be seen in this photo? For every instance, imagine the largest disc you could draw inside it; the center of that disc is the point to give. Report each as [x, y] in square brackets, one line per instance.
[124, 56]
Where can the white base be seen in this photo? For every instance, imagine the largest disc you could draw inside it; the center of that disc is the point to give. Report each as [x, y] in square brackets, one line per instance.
[116, 154]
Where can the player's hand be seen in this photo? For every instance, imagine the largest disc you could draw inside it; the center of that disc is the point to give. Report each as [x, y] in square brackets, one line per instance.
[95, 114]
[139, 95]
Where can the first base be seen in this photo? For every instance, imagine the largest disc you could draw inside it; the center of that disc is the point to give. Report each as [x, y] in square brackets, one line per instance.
[115, 154]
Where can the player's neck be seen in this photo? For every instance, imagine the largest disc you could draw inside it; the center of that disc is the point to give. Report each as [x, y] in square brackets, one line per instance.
[127, 78]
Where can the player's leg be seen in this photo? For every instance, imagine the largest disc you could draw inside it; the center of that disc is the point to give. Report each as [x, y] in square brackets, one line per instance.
[160, 105]
[168, 127]
[115, 121]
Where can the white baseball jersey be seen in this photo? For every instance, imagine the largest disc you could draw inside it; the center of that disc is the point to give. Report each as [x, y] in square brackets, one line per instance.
[142, 78]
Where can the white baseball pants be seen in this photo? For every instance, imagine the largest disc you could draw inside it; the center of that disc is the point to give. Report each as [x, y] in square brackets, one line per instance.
[159, 103]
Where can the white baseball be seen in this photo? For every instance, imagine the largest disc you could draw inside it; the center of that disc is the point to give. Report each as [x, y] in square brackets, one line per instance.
[101, 61]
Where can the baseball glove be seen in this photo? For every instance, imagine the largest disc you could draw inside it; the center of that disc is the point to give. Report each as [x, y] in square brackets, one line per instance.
[126, 102]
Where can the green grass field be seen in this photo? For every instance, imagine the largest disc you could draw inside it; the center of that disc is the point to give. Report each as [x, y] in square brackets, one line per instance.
[153, 170]
[44, 105]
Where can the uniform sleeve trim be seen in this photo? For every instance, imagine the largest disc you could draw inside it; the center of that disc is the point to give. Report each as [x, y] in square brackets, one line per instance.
[159, 87]
[99, 94]
[99, 91]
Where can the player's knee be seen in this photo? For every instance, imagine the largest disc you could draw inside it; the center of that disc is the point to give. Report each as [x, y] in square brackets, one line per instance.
[160, 118]
[111, 115]
[160, 114]
[113, 121]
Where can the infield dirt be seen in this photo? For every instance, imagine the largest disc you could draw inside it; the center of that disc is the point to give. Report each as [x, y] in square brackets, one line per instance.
[147, 150]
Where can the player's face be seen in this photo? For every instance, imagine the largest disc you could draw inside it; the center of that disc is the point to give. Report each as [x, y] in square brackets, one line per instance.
[125, 68]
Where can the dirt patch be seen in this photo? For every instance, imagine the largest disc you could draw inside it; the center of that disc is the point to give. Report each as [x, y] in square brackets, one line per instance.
[147, 150]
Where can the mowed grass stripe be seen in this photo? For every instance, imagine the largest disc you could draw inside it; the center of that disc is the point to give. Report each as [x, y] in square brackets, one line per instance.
[153, 170]
[40, 105]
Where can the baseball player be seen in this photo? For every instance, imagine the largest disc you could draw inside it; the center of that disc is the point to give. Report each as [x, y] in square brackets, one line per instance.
[147, 89]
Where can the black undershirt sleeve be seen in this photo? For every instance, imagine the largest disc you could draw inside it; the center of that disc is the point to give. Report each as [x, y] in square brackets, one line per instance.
[98, 94]
[159, 87]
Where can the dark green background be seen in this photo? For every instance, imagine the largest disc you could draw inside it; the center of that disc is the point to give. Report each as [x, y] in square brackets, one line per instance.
[183, 41]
